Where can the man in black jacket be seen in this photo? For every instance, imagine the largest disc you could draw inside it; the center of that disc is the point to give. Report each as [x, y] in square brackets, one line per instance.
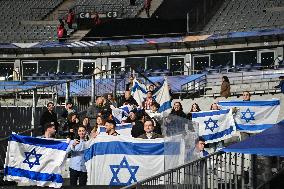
[149, 131]
[49, 116]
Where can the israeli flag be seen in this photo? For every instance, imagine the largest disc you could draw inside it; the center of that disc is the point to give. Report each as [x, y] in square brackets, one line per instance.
[35, 161]
[138, 92]
[162, 95]
[122, 129]
[254, 116]
[121, 112]
[215, 125]
[120, 160]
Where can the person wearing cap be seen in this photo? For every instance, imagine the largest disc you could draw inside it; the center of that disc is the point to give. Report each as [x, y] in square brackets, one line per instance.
[110, 127]
[49, 130]
[149, 131]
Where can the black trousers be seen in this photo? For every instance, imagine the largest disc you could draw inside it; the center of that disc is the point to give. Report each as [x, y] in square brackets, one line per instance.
[75, 175]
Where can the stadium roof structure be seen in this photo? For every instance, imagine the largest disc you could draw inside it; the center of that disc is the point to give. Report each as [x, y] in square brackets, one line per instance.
[9, 87]
[115, 47]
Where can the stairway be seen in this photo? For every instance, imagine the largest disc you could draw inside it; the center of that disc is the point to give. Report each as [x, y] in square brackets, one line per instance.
[78, 35]
[61, 10]
[154, 6]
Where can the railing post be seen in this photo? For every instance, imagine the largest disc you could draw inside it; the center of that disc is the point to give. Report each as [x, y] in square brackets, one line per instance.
[67, 91]
[93, 91]
[33, 122]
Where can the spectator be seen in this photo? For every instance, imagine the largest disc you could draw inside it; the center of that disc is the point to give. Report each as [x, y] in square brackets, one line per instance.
[77, 168]
[61, 32]
[96, 19]
[71, 125]
[49, 116]
[149, 131]
[68, 109]
[225, 87]
[178, 110]
[147, 103]
[151, 88]
[110, 128]
[132, 117]
[70, 18]
[87, 125]
[214, 106]
[100, 122]
[147, 7]
[99, 107]
[246, 96]
[154, 114]
[111, 101]
[281, 83]
[198, 151]
[129, 85]
[137, 126]
[49, 130]
[194, 108]
[128, 99]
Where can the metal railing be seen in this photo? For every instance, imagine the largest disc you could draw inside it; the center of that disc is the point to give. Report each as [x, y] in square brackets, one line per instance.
[219, 170]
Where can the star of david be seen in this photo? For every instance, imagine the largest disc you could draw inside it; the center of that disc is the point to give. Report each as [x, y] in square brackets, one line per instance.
[28, 155]
[214, 126]
[116, 168]
[251, 115]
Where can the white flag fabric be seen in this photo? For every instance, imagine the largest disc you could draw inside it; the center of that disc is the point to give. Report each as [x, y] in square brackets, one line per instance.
[121, 112]
[122, 129]
[120, 160]
[162, 95]
[254, 116]
[139, 92]
[35, 161]
[215, 125]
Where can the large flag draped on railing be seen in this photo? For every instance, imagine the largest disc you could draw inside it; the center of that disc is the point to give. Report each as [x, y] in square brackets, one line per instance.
[162, 95]
[121, 160]
[35, 161]
[254, 116]
[215, 125]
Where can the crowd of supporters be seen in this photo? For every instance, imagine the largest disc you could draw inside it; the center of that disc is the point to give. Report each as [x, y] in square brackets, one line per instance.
[146, 122]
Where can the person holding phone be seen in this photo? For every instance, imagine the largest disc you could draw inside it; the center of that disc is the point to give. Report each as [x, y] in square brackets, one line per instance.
[77, 168]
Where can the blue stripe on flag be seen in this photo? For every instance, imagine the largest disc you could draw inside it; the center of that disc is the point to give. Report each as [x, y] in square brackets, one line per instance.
[116, 147]
[138, 87]
[117, 128]
[250, 103]
[165, 106]
[219, 134]
[211, 113]
[253, 127]
[59, 145]
[36, 176]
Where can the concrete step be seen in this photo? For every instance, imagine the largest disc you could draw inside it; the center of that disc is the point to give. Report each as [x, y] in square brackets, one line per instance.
[61, 10]
[78, 35]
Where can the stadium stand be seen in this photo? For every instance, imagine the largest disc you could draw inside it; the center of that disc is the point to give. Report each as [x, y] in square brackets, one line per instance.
[249, 15]
[121, 7]
[24, 21]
